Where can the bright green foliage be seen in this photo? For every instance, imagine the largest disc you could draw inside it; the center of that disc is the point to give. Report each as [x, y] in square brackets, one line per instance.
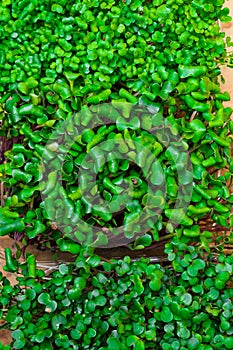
[62, 61]
[90, 304]
[60, 58]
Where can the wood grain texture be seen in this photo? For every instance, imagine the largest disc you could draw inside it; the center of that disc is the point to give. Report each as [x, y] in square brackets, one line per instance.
[5, 336]
[228, 72]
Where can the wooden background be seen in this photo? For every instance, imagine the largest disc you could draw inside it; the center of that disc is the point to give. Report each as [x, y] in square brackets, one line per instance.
[228, 72]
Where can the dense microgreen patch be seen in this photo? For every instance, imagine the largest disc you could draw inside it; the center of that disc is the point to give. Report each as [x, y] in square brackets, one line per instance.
[60, 58]
[125, 304]
[142, 76]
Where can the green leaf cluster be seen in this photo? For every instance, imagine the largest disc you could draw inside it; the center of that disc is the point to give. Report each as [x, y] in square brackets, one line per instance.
[60, 59]
[123, 304]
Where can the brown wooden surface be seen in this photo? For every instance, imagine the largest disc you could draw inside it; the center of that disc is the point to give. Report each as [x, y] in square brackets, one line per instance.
[228, 72]
[5, 336]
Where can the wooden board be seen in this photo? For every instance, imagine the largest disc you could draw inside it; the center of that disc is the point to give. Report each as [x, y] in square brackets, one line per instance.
[228, 72]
